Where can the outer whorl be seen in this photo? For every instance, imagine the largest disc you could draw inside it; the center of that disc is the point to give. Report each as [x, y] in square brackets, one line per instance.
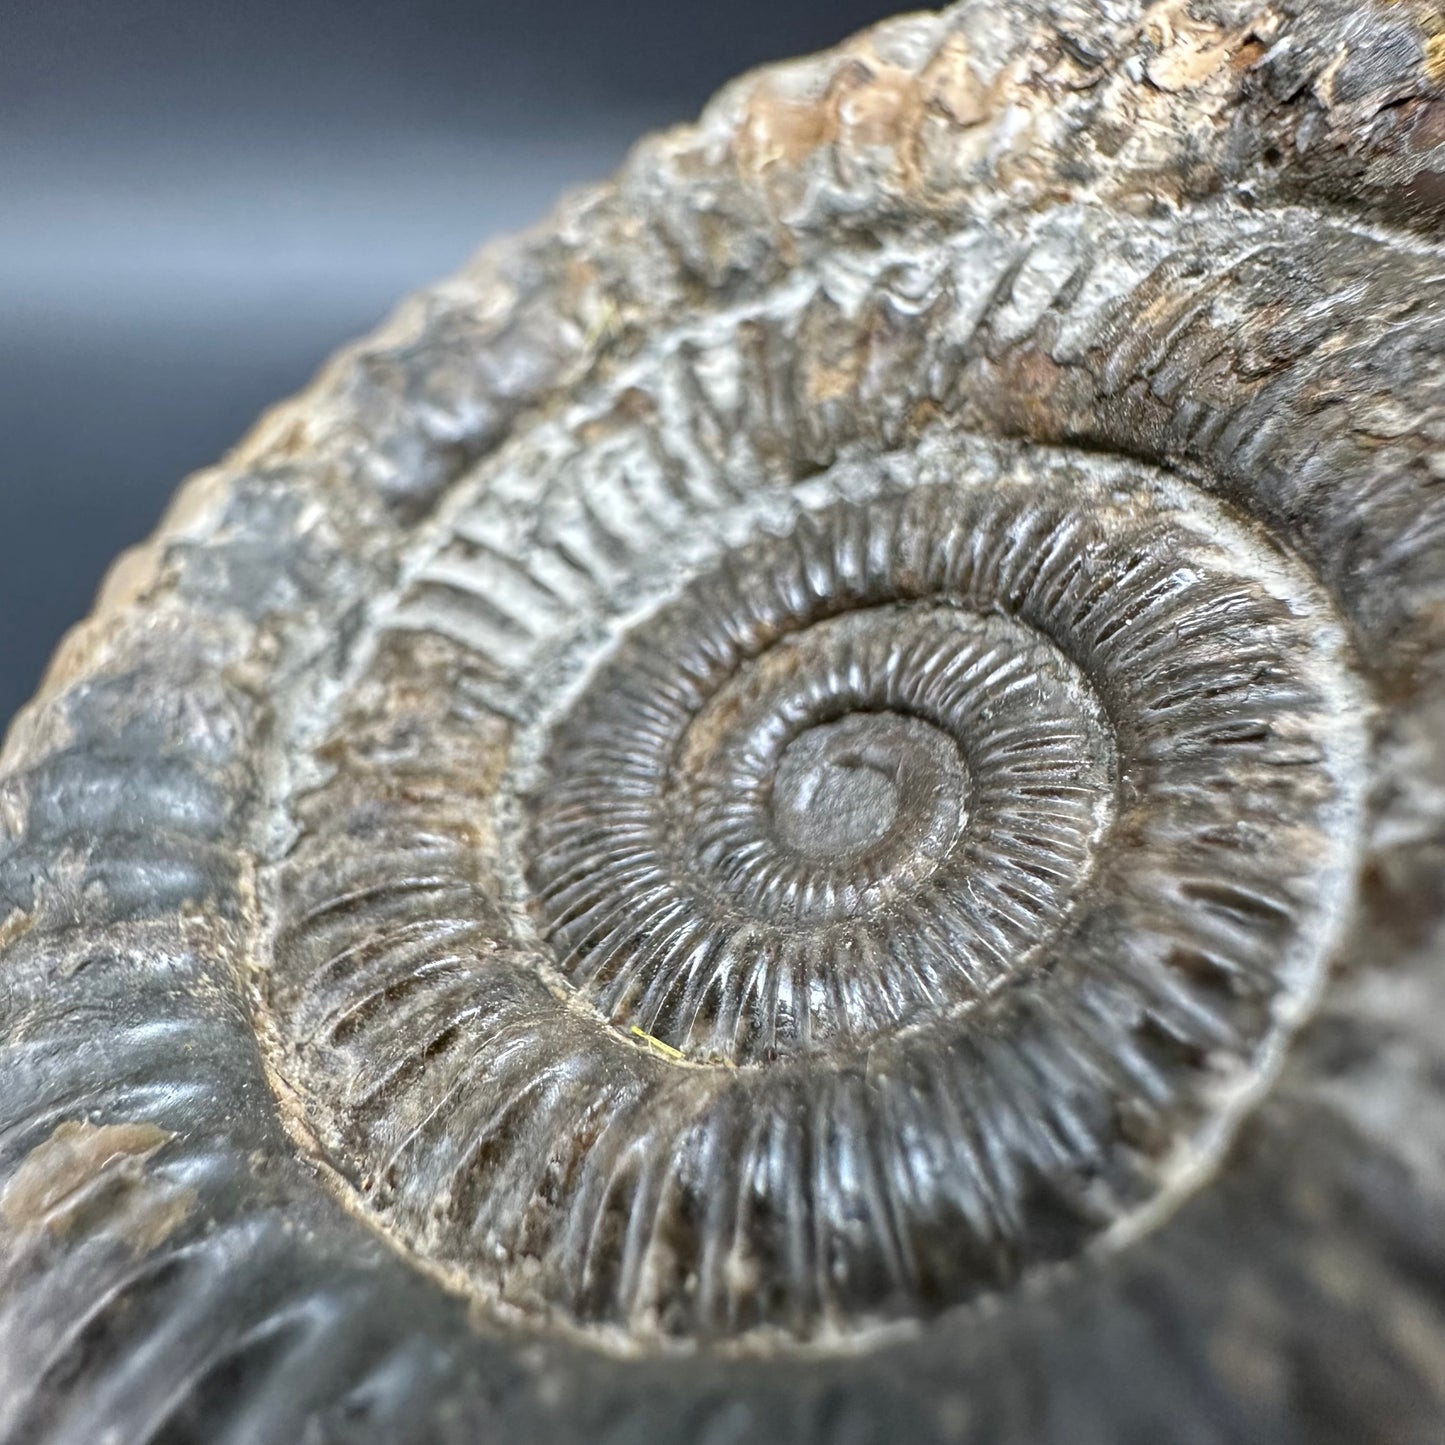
[806, 807]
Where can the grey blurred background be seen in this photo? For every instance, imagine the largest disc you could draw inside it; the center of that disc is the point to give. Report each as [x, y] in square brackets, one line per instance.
[199, 200]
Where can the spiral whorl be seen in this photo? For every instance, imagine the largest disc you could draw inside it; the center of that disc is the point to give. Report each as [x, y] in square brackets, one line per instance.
[1109, 757]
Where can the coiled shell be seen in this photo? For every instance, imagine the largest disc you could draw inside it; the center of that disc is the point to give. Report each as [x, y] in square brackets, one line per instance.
[807, 806]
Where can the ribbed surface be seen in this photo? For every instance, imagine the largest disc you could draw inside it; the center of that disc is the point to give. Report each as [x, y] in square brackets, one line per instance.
[1166, 282]
[967, 1046]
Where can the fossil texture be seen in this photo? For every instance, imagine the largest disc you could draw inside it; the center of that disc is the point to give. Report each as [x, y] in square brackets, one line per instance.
[806, 807]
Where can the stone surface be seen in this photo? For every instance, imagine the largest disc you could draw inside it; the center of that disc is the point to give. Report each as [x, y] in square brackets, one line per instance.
[807, 806]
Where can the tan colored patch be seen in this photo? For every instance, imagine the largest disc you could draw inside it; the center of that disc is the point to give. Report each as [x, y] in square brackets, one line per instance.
[1191, 52]
[1248, 55]
[202, 496]
[1188, 65]
[780, 131]
[822, 384]
[1324, 86]
[130, 577]
[1158, 22]
[869, 105]
[950, 86]
[15, 927]
[878, 105]
[1435, 57]
[93, 1176]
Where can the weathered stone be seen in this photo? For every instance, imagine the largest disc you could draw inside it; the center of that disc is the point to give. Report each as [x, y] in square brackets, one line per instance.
[809, 806]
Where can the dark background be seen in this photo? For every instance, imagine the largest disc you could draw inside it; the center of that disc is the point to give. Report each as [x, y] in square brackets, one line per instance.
[199, 199]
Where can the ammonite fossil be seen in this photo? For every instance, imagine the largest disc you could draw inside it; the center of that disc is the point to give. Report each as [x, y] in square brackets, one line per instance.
[808, 807]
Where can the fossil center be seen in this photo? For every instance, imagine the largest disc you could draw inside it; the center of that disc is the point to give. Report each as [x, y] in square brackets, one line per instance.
[846, 786]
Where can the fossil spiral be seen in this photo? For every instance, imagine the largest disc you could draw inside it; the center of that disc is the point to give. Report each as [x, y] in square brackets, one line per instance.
[808, 806]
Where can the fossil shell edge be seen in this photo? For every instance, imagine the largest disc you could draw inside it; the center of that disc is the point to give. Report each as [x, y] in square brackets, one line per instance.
[1144, 303]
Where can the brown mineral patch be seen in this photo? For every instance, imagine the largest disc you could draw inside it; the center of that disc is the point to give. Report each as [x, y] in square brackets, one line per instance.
[1429, 128]
[950, 86]
[1324, 86]
[1428, 189]
[870, 104]
[1248, 55]
[1435, 57]
[15, 927]
[93, 1176]
[1033, 379]
[878, 105]
[825, 380]
[778, 130]
[824, 384]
